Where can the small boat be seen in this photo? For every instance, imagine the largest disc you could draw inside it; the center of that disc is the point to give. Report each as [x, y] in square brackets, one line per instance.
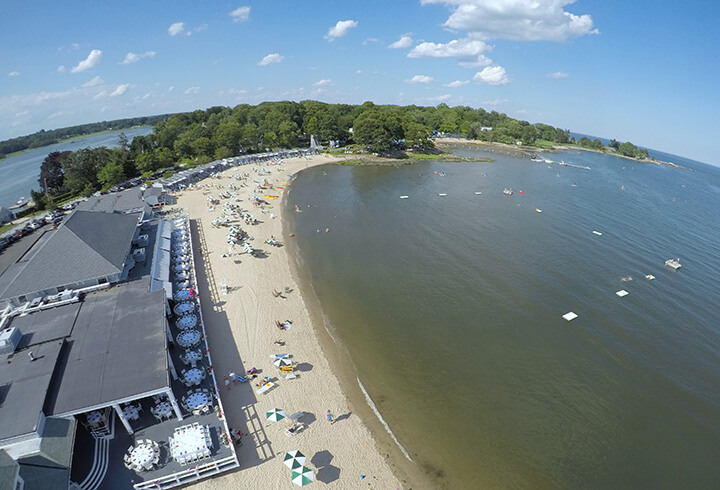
[649, 277]
[597, 233]
[562, 162]
[507, 192]
[404, 197]
[442, 194]
[673, 263]
[538, 210]
[478, 193]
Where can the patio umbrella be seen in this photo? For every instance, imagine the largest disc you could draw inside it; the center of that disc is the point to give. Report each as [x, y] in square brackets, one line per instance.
[283, 362]
[302, 476]
[275, 414]
[294, 459]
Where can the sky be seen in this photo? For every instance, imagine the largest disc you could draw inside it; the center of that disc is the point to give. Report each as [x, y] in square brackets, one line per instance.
[642, 71]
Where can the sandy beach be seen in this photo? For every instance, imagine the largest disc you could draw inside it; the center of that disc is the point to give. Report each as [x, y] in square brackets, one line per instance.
[242, 331]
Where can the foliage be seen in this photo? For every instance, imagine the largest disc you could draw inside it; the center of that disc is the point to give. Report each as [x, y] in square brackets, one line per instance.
[44, 138]
[82, 167]
[629, 150]
[51, 172]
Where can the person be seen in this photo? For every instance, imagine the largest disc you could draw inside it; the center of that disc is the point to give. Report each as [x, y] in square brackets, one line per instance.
[233, 377]
[227, 382]
[253, 371]
[330, 417]
[279, 325]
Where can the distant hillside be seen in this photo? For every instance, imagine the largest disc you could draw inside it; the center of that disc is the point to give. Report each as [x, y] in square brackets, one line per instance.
[44, 138]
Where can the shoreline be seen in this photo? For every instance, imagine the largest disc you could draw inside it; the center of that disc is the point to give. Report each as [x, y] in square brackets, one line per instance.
[535, 149]
[353, 451]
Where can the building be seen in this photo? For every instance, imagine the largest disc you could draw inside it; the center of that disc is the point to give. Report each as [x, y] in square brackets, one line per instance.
[85, 335]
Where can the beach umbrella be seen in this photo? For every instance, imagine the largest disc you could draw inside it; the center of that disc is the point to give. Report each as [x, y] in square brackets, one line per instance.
[283, 362]
[275, 414]
[302, 476]
[294, 459]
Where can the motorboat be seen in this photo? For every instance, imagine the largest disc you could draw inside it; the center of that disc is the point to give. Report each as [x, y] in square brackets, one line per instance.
[673, 263]
[507, 192]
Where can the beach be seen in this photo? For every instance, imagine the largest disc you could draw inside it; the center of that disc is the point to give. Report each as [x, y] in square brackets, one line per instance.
[242, 297]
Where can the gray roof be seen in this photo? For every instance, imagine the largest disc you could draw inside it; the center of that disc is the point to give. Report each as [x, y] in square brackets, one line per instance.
[117, 350]
[127, 201]
[87, 246]
[152, 191]
[8, 471]
[24, 386]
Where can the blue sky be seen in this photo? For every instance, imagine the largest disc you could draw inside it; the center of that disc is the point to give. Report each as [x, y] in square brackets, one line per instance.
[643, 71]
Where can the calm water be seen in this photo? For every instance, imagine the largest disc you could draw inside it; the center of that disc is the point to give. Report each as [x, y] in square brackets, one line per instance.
[19, 174]
[451, 309]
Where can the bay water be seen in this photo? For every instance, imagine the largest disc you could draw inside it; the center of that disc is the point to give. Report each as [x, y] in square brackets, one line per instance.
[20, 173]
[450, 309]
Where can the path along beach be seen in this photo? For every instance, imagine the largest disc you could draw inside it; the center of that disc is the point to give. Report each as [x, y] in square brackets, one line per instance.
[241, 325]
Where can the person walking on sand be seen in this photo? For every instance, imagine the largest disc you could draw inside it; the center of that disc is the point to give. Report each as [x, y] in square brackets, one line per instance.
[330, 417]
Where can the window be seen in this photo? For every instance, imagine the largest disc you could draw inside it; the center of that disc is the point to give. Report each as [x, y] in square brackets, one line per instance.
[102, 280]
[22, 299]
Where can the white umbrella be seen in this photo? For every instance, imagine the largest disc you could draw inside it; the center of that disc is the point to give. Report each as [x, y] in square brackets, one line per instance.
[283, 362]
[294, 459]
[302, 476]
[275, 414]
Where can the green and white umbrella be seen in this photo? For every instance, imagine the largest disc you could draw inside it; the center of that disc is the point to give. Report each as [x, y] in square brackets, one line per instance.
[302, 476]
[294, 459]
[275, 414]
[285, 361]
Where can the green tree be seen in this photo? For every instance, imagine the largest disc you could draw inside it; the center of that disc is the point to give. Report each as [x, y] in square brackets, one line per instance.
[82, 167]
[615, 144]
[529, 135]
[417, 136]
[51, 172]
[378, 129]
[111, 174]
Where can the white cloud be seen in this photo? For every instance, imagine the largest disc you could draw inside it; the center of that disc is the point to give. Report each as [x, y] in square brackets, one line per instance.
[100, 94]
[526, 20]
[240, 14]
[494, 102]
[134, 57]
[469, 51]
[420, 79]
[458, 83]
[322, 83]
[61, 69]
[91, 61]
[192, 90]
[176, 28]
[94, 82]
[14, 74]
[557, 74]
[171, 88]
[121, 89]
[492, 75]
[271, 58]
[340, 29]
[404, 42]
[441, 98]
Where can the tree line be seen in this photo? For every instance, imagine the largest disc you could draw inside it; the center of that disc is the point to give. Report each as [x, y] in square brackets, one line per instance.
[198, 137]
[45, 138]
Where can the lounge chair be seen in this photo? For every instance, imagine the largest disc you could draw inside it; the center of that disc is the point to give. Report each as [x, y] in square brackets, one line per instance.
[295, 429]
[265, 387]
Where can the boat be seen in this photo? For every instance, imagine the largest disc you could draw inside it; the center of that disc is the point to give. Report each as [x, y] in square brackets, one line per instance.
[673, 263]
[562, 162]
[404, 197]
[597, 233]
[538, 210]
[442, 194]
[507, 192]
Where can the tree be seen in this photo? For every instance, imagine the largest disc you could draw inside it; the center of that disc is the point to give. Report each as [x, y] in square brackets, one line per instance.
[111, 174]
[417, 136]
[615, 144]
[82, 167]
[378, 129]
[529, 135]
[39, 200]
[51, 172]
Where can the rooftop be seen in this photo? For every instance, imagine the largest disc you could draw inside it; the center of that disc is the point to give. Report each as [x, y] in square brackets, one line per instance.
[92, 245]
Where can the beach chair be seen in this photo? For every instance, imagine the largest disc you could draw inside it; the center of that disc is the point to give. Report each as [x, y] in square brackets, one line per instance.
[295, 429]
[264, 388]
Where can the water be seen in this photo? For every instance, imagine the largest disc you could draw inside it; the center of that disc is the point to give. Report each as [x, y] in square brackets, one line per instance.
[19, 174]
[450, 308]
